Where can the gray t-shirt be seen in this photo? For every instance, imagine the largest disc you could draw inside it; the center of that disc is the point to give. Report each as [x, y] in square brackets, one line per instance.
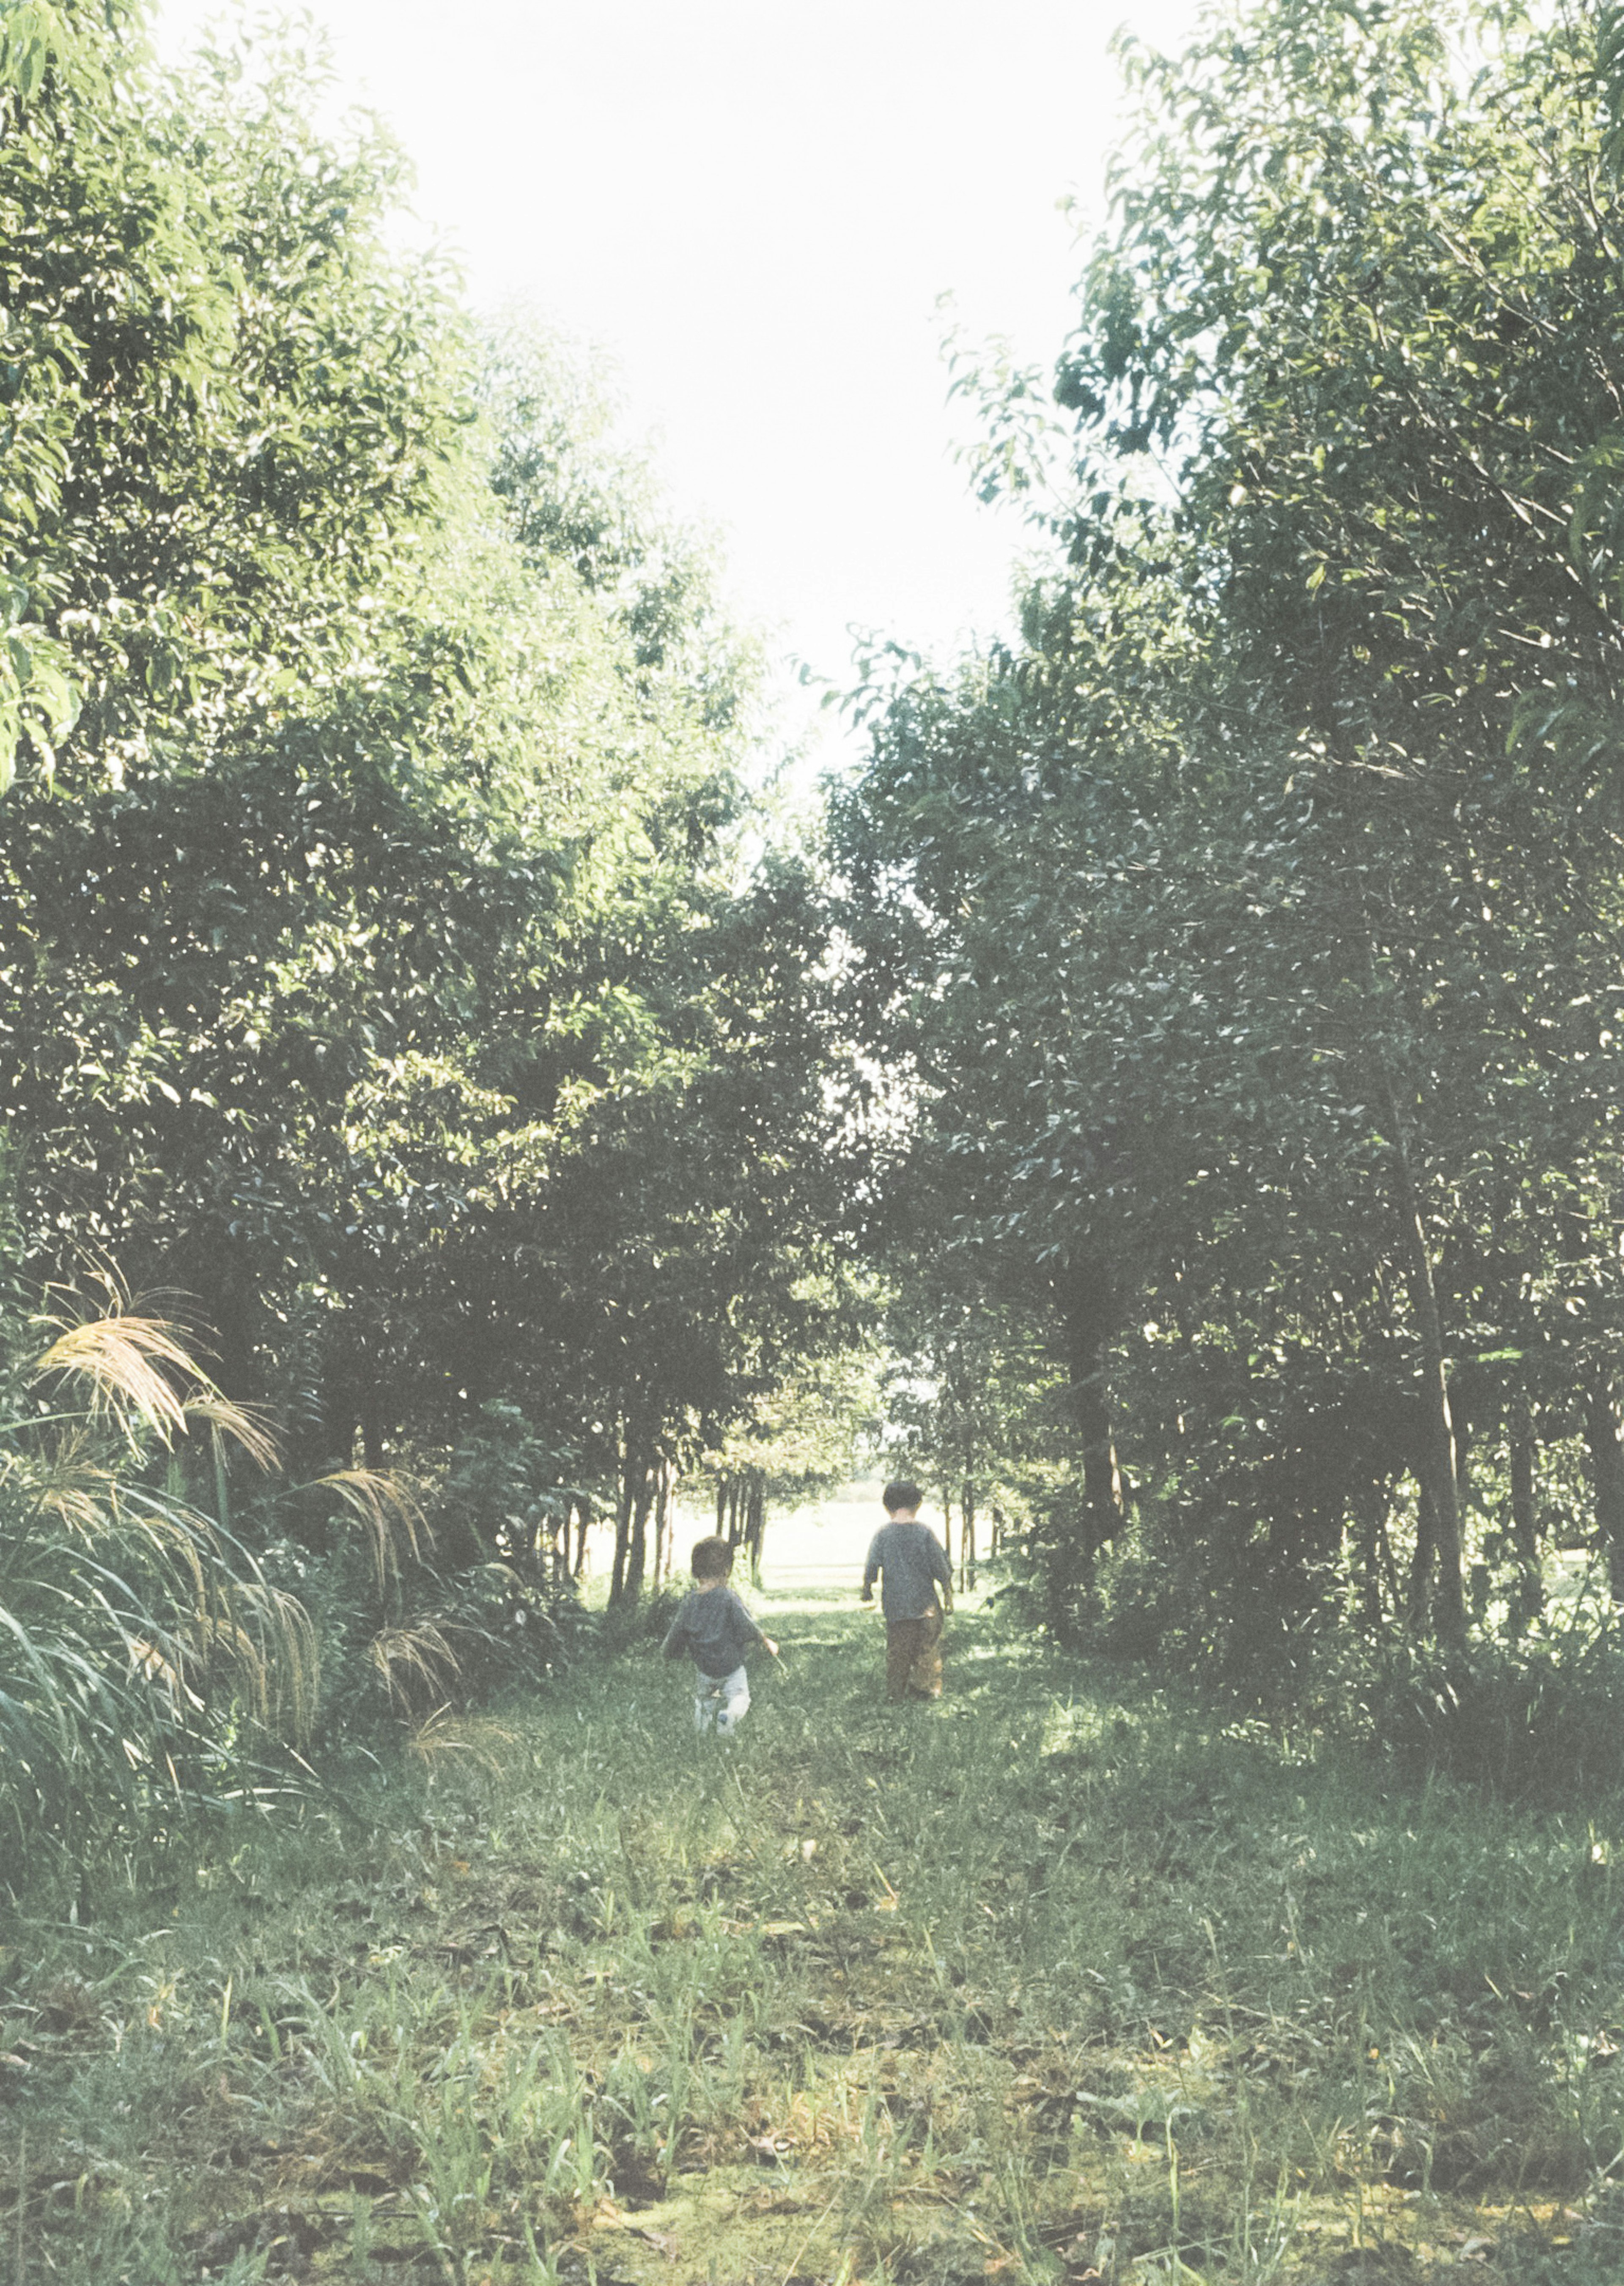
[913, 1560]
[712, 1630]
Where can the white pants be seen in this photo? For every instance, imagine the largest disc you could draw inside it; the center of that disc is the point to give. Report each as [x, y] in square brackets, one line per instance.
[722, 1701]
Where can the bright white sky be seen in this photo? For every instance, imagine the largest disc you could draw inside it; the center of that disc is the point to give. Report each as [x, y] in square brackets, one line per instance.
[753, 206]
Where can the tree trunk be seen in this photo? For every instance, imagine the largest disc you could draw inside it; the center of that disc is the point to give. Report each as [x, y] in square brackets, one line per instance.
[1092, 1308]
[967, 1537]
[1528, 1599]
[1438, 1434]
[630, 1515]
[755, 1521]
[1436, 1461]
[667, 1532]
[1422, 1562]
[1606, 1443]
[623, 1532]
[637, 1553]
[1370, 1531]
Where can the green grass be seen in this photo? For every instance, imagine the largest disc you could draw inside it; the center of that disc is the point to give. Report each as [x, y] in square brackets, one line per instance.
[1060, 1978]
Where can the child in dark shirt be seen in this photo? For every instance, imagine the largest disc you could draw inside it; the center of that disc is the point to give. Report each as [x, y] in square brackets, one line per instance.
[714, 1629]
[913, 1565]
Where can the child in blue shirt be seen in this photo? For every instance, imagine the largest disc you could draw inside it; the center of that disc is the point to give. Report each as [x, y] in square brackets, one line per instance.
[912, 1562]
[714, 1629]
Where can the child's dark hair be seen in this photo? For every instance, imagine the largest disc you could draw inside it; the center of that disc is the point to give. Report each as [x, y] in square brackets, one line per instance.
[711, 1558]
[900, 1494]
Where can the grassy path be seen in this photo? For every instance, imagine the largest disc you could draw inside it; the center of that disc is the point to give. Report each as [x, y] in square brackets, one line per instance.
[1052, 1982]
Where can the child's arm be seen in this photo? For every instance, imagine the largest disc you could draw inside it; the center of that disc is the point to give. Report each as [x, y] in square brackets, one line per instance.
[943, 1571]
[871, 1570]
[675, 1645]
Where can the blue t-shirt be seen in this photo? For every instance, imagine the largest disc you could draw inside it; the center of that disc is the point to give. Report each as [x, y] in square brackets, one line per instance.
[715, 1631]
[913, 1560]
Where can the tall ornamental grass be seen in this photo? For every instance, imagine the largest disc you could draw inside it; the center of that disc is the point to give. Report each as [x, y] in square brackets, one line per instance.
[143, 1657]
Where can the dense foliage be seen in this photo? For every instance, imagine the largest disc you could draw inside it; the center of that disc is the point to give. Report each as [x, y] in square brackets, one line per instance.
[1251, 926]
[401, 961]
[404, 970]
[381, 968]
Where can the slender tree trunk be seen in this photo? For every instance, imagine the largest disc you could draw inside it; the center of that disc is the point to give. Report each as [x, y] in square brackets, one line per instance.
[637, 1550]
[1606, 1443]
[1437, 1431]
[967, 1537]
[625, 1493]
[623, 1543]
[755, 1521]
[1437, 1466]
[946, 1530]
[1092, 1308]
[1369, 1530]
[1529, 1599]
[1423, 1562]
[664, 1534]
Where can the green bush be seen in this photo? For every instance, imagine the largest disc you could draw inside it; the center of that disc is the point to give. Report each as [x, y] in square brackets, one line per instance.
[1538, 1719]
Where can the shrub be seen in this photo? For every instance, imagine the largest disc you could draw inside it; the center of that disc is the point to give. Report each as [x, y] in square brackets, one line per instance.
[1540, 1718]
[141, 1648]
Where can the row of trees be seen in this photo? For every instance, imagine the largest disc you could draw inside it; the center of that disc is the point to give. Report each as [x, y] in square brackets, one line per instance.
[400, 960]
[403, 969]
[1250, 929]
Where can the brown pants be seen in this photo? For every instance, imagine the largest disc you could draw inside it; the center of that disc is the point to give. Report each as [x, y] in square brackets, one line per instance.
[913, 1656]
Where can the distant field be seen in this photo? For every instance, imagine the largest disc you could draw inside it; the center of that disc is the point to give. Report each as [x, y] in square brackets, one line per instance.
[822, 1545]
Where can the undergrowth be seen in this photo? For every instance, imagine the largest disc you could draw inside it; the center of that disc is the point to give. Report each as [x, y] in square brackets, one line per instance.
[1060, 1980]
